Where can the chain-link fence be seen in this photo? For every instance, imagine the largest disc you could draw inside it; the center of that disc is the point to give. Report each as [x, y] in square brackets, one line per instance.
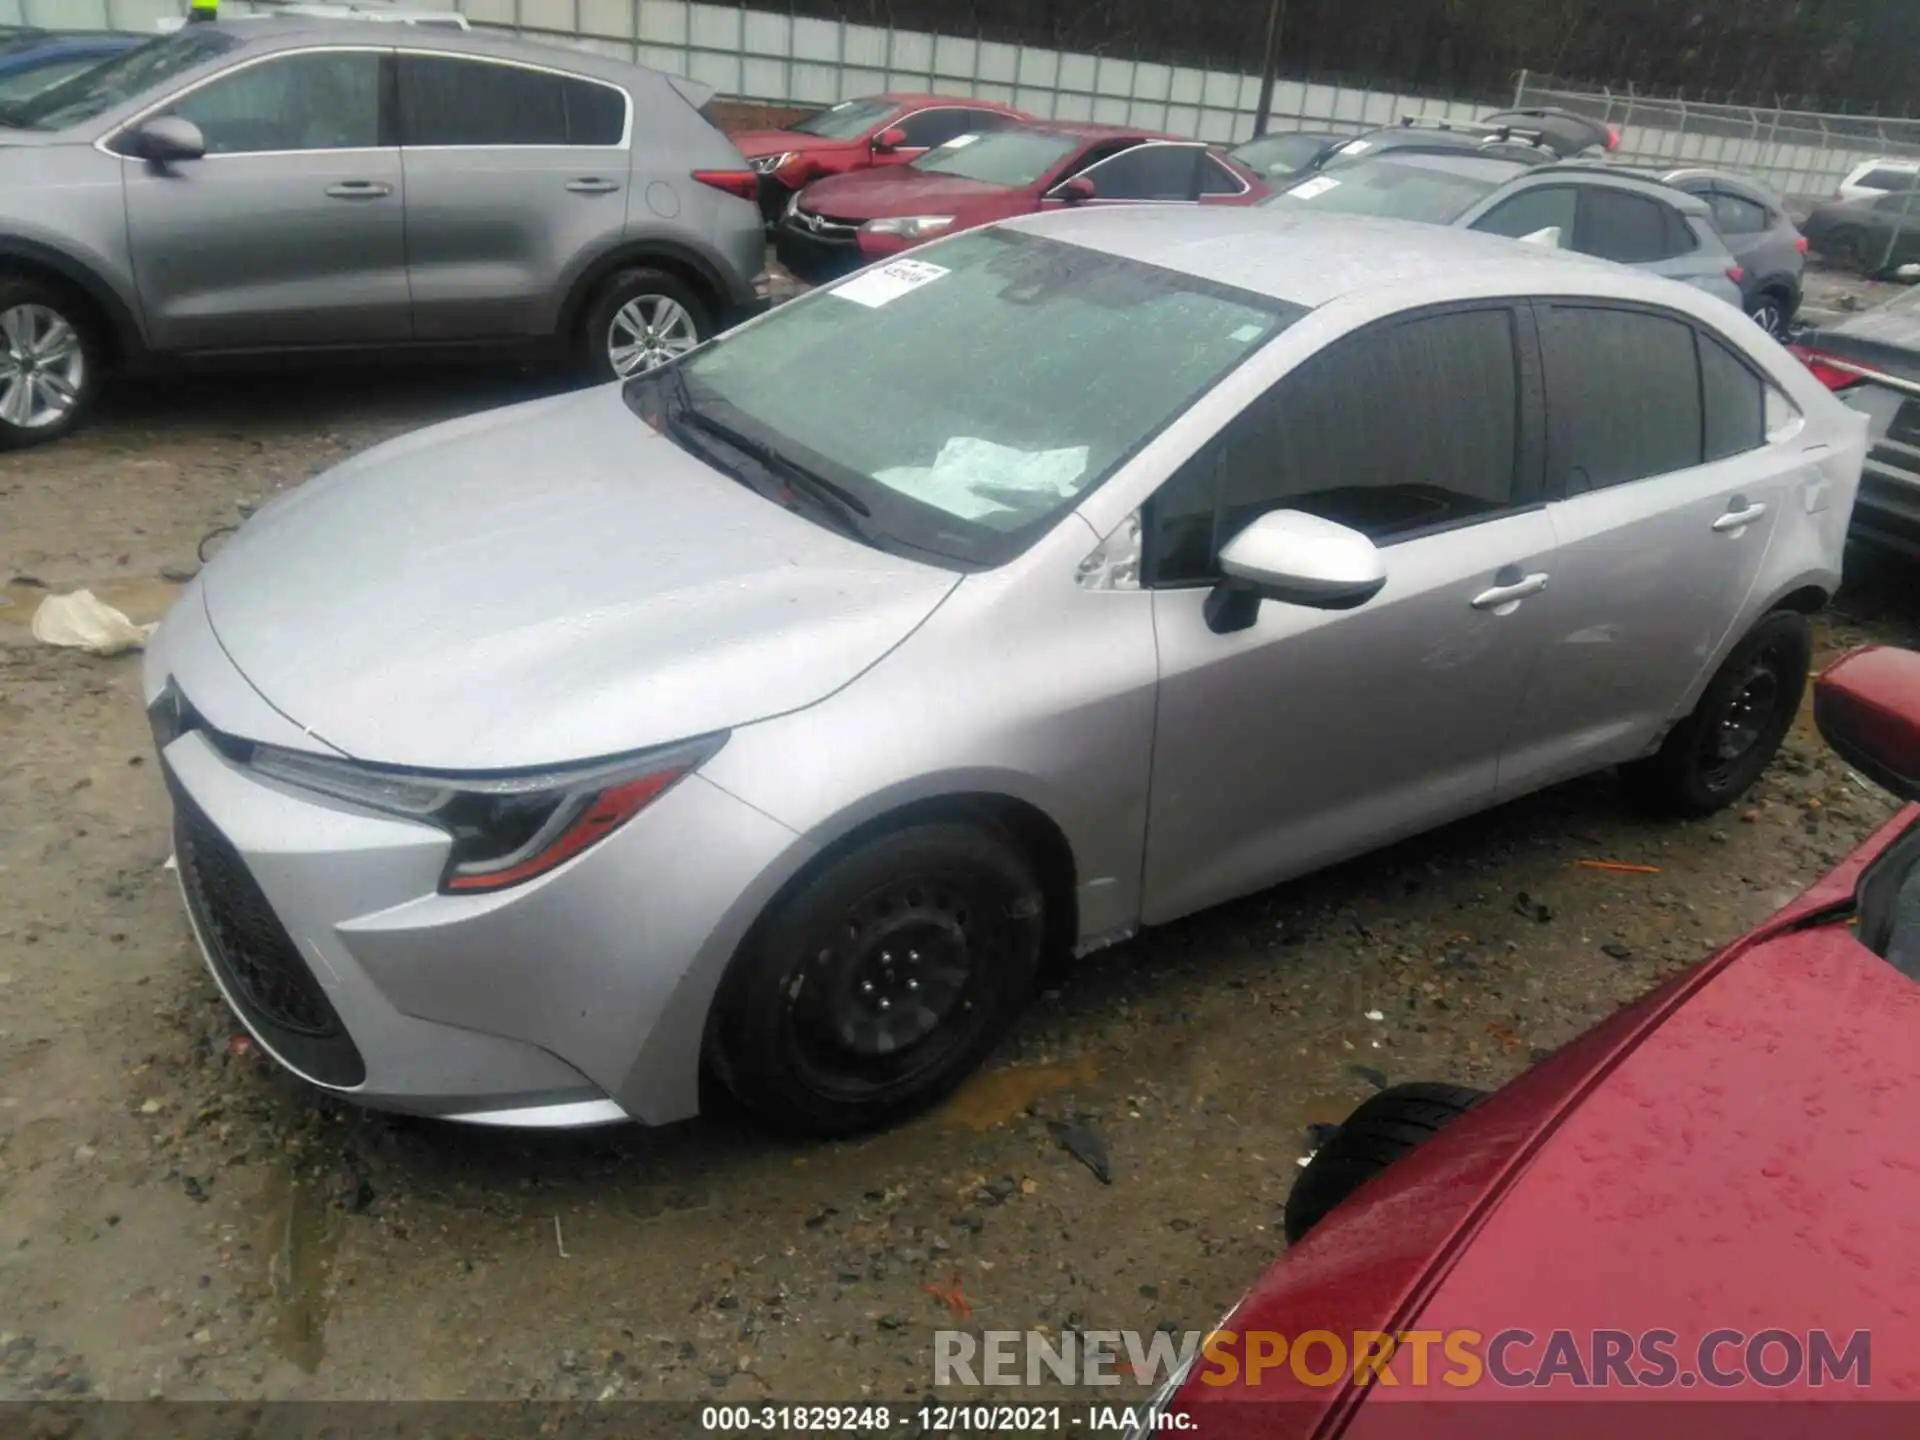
[1802, 154]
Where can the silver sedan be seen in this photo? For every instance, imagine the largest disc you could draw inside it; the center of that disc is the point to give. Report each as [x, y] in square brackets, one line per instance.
[771, 715]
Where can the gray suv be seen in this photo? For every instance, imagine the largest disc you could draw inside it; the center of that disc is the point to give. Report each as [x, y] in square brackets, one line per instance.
[312, 187]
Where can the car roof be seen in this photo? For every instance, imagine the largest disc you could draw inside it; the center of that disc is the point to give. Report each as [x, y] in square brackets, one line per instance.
[910, 97]
[1305, 260]
[1599, 173]
[1450, 159]
[1090, 130]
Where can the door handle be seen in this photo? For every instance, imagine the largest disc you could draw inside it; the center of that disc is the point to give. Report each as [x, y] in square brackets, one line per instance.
[359, 190]
[592, 185]
[1519, 590]
[1738, 519]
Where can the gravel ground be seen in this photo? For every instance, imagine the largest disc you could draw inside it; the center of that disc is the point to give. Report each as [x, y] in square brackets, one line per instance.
[178, 1218]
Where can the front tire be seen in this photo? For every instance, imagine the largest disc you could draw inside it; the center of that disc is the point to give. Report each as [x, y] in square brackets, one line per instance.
[639, 320]
[880, 984]
[49, 363]
[1384, 1128]
[1711, 758]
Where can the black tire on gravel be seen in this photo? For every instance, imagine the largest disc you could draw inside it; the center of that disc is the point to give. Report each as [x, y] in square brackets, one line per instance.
[1384, 1128]
[944, 922]
[1709, 759]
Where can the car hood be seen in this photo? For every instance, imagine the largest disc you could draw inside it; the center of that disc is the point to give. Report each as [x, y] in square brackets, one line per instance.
[549, 582]
[755, 143]
[900, 190]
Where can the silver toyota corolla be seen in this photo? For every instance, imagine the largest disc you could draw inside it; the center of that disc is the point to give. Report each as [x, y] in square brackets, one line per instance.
[772, 714]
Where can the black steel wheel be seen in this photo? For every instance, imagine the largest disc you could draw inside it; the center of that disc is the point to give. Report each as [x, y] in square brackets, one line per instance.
[887, 977]
[1711, 758]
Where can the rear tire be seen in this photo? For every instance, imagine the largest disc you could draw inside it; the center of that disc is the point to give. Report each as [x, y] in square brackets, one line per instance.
[1384, 1128]
[1711, 758]
[50, 361]
[641, 319]
[875, 988]
[1772, 312]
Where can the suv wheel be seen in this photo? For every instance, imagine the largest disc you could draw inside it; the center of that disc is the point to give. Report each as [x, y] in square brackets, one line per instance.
[641, 319]
[1710, 758]
[47, 369]
[1769, 312]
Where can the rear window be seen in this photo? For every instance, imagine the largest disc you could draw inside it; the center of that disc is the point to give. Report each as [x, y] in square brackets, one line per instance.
[1004, 157]
[1396, 189]
[1280, 154]
[1888, 179]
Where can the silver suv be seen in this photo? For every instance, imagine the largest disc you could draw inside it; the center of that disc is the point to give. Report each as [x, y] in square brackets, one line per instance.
[309, 187]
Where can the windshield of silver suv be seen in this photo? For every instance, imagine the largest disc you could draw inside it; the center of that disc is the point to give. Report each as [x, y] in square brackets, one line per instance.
[954, 404]
[1437, 189]
[114, 82]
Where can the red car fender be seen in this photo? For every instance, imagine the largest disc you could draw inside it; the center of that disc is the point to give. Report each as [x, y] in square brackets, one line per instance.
[1372, 1264]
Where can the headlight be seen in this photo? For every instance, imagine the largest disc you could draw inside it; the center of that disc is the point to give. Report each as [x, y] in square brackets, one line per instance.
[767, 164]
[908, 227]
[505, 829]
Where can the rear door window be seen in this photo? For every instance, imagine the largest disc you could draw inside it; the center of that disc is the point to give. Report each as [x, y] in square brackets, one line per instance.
[1736, 215]
[1623, 396]
[1631, 229]
[1315, 443]
[446, 101]
[1888, 179]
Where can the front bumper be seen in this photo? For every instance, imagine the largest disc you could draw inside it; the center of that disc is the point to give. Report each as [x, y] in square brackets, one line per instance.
[814, 259]
[576, 999]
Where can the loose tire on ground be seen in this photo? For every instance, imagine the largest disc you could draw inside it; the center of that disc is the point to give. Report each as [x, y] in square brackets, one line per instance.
[1384, 1128]
[1711, 758]
[943, 922]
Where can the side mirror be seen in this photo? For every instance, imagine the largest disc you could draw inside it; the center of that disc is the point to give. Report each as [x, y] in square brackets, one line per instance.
[169, 139]
[1297, 559]
[1076, 191]
[888, 141]
[1867, 705]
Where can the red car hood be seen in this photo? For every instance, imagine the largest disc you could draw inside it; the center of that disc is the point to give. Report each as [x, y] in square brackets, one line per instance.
[1737, 1149]
[899, 190]
[755, 143]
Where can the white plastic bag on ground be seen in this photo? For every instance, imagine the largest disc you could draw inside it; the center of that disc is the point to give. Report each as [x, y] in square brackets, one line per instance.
[82, 621]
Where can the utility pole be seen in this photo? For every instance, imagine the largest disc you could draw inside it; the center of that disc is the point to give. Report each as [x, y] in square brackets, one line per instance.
[1276, 16]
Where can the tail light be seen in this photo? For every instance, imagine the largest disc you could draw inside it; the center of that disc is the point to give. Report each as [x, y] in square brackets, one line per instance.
[1800, 243]
[743, 183]
[1613, 137]
[1824, 370]
[1736, 274]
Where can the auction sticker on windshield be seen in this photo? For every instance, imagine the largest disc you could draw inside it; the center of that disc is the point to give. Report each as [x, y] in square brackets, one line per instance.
[1319, 185]
[887, 283]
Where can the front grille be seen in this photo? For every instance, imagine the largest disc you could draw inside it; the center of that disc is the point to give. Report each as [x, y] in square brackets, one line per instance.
[824, 227]
[261, 968]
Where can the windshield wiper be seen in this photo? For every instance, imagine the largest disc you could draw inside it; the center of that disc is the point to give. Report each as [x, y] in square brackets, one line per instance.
[836, 498]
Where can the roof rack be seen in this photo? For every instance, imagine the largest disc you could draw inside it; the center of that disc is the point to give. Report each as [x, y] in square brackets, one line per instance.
[1491, 134]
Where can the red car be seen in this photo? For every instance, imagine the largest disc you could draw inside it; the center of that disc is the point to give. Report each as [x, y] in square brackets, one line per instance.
[846, 221]
[860, 134]
[1713, 1195]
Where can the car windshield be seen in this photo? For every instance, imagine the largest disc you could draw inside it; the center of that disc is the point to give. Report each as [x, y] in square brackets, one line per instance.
[1429, 190]
[846, 121]
[1000, 157]
[1280, 154]
[979, 388]
[124, 77]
